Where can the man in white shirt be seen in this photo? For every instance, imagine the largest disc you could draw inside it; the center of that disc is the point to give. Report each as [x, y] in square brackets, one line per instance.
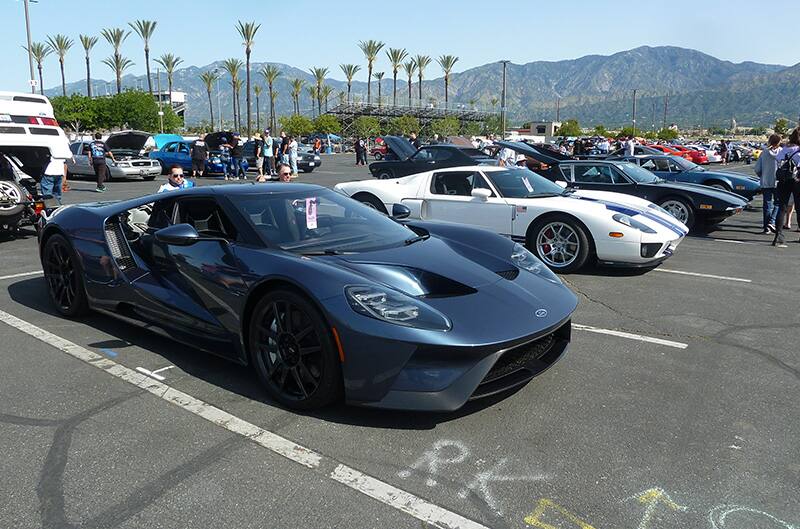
[269, 154]
[508, 157]
[175, 180]
[293, 155]
[629, 146]
[53, 178]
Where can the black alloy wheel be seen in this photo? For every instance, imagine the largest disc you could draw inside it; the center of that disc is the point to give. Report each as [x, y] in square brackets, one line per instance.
[293, 352]
[63, 276]
[385, 174]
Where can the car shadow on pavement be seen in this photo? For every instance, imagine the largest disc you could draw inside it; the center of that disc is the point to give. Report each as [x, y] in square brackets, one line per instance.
[234, 378]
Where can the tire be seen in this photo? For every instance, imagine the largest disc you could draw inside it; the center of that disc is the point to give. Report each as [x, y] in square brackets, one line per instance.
[282, 326]
[149, 178]
[560, 242]
[13, 190]
[719, 185]
[385, 174]
[64, 277]
[680, 209]
[378, 156]
[371, 201]
[164, 169]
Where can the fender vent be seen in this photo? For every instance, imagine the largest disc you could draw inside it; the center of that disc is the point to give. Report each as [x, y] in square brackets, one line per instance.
[511, 275]
[118, 246]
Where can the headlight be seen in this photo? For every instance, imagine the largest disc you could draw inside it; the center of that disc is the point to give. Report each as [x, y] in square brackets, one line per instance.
[395, 307]
[525, 260]
[633, 223]
[123, 164]
[216, 160]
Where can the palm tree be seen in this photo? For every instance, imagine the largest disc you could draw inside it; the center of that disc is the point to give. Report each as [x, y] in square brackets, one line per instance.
[325, 94]
[270, 72]
[39, 51]
[257, 89]
[232, 66]
[447, 62]
[248, 30]
[169, 62]
[319, 78]
[60, 45]
[371, 49]
[209, 77]
[297, 87]
[494, 102]
[410, 67]
[115, 37]
[379, 77]
[272, 97]
[145, 30]
[349, 71]
[88, 43]
[313, 94]
[422, 61]
[118, 65]
[396, 57]
[237, 88]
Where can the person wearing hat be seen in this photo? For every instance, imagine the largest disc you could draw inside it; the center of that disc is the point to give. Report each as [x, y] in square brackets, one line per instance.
[269, 154]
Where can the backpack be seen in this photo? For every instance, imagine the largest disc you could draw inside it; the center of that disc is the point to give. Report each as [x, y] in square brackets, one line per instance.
[787, 171]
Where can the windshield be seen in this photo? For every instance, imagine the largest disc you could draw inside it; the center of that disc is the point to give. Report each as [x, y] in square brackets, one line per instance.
[637, 174]
[685, 164]
[523, 183]
[320, 221]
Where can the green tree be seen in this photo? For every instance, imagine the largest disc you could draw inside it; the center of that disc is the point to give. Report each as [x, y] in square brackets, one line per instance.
[379, 77]
[88, 43]
[667, 134]
[209, 77]
[118, 65]
[410, 68]
[781, 126]
[370, 49]
[169, 62]
[493, 125]
[232, 66]
[447, 62]
[650, 135]
[297, 88]
[270, 72]
[297, 125]
[349, 71]
[75, 112]
[396, 57]
[145, 30]
[422, 62]
[470, 128]
[325, 95]
[327, 124]
[366, 126]
[60, 45]
[570, 127]
[248, 30]
[444, 127]
[758, 131]
[626, 132]
[600, 130]
[131, 109]
[319, 78]
[402, 125]
[39, 51]
[257, 89]
[116, 37]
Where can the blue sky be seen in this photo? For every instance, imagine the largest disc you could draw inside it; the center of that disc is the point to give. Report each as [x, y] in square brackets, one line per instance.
[311, 33]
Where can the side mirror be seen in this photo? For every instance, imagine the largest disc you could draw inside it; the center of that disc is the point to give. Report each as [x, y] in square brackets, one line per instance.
[481, 193]
[178, 235]
[400, 211]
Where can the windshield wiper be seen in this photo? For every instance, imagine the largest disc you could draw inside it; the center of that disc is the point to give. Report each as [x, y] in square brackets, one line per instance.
[323, 252]
[412, 240]
[542, 195]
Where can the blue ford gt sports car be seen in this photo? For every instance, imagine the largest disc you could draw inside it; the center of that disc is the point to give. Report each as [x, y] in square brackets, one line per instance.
[323, 296]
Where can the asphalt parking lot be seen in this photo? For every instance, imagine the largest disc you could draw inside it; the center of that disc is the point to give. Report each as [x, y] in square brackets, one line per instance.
[676, 407]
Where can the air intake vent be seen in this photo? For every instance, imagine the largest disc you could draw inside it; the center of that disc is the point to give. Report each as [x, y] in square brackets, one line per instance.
[511, 275]
[118, 246]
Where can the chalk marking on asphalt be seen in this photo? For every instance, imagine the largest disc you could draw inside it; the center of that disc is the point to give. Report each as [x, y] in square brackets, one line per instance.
[630, 336]
[399, 499]
[695, 274]
[22, 274]
[150, 374]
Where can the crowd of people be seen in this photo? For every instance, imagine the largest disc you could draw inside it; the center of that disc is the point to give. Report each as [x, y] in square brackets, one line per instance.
[777, 168]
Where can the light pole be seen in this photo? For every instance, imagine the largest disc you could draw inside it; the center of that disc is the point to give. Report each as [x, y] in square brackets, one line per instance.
[160, 112]
[219, 104]
[634, 112]
[666, 102]
[30, 54]
[503, 103]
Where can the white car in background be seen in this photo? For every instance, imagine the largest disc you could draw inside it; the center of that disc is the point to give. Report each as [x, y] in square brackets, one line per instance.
[564, 228]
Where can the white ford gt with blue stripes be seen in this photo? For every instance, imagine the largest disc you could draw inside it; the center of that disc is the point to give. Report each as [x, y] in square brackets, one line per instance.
[564, 228]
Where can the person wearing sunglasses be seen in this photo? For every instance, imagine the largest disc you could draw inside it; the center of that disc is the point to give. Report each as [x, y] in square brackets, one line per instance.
[175, 181]
[284, 172]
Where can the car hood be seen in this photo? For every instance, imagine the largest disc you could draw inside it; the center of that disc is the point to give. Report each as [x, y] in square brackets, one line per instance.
[529, 150]
[710, 192]
[400, 146]
[215, 139]
[731, 175]
[132, 140]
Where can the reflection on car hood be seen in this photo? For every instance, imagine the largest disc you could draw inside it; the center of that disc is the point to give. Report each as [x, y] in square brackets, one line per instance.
[712, 192]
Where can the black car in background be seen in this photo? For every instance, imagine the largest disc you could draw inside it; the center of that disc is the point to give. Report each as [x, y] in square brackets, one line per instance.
[402, 159]
[307, 161]
[689, 203]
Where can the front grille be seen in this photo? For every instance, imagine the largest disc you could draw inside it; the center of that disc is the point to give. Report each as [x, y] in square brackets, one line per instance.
[118, 246]
[519, 357]
[511, 275]
[141, 164]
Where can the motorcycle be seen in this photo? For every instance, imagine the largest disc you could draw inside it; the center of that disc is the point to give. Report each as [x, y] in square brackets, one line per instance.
[21, 204]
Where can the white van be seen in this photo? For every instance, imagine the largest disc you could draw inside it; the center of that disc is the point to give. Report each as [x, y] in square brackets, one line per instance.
[29, 137]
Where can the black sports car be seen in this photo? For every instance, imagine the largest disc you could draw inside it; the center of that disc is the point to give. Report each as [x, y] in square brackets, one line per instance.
[689, 203]
[323, 296]
[402, 159]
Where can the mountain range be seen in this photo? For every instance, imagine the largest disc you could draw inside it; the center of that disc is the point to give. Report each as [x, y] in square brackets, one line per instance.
[700, 90]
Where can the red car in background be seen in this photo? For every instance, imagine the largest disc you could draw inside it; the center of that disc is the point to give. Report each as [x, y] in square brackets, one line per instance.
[379, 151]
[696, 156]
[667, 150]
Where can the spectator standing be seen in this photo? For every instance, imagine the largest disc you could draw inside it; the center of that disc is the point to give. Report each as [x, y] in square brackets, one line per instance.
[765, 168]
[199, 155]
[317, 145]
[98, 152]
[284, 172]
[293, 155]
[53, 178]
[723, 152]
[175, 180]
[258, 150]
[414, 140]
[269, 154]
[237, 153]
[630, 146]
[507, 157]
[786, 188]
[359, 148]
[284, 148]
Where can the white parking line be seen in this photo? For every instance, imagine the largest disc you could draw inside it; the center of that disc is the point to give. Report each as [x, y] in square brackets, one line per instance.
[731, 241]
[23, 274]
[710, 276]
[399, 499]
[630, 336]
